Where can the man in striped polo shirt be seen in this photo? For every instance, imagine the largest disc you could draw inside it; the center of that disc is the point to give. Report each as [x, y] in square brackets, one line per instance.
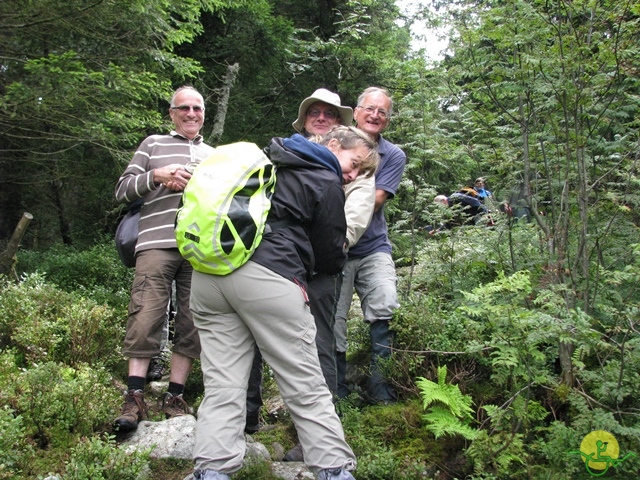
[158, 173]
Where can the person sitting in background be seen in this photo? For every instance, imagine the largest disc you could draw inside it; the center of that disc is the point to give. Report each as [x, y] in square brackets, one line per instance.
[467, 209]
[479, 187]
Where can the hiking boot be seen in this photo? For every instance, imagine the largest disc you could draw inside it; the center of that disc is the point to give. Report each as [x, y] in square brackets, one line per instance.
[209, 475]
[379, 388]
[134, 410]
[174, 405]
[156, 369]
[335, 474]
[252, 424]
[294, 455]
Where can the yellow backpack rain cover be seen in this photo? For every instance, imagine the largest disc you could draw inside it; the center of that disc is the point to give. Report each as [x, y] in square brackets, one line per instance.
[225, 207]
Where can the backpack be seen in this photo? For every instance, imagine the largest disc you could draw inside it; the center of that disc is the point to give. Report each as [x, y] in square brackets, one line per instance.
[468, 191]
[127, 234]
[224, 208]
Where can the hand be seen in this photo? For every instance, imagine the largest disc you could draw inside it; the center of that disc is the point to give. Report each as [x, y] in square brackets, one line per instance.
[174, 177]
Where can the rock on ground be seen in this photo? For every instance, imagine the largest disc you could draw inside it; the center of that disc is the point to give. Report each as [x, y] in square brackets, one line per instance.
[175, 438]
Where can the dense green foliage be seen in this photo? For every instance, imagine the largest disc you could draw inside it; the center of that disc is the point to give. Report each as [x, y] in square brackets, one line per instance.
[82, 84]
[44, 324]
[521, 333]
[100, 458]
[95, 272]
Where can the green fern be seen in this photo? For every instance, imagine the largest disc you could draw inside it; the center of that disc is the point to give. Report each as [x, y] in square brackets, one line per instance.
[449, 409]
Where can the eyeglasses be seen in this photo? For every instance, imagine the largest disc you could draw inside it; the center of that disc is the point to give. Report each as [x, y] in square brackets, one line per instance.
[187, 108]
[372, 110]
[328, 114]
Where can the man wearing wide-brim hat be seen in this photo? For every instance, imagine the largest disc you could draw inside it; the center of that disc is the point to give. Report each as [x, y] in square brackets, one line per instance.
[320, 112]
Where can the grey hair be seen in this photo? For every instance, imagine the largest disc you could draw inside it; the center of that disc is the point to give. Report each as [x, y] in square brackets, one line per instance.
[182, 89]
[369, 90]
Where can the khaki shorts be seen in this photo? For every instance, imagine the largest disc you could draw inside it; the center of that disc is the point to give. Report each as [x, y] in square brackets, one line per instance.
[150, 295]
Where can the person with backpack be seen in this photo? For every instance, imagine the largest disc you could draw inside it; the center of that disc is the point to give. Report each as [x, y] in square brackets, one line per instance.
[467, 209]
[264, 303]
[157, 173]
[317, 114]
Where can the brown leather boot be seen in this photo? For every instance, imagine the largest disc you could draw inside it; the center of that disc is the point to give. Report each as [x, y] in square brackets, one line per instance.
[174, 406]
[134, 410]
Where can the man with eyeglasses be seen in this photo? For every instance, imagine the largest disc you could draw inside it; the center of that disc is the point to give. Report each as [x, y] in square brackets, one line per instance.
[370, 268]
[320, 112]
[158, 173]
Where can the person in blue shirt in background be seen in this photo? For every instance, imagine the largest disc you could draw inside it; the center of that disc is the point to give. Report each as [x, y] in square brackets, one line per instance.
[479, 187]
[370, 268]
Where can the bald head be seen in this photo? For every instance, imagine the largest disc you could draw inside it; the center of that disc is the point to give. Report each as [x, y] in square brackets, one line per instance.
[441, 199]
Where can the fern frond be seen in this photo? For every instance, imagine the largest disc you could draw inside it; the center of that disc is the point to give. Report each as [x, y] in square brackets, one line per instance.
[449, 395]
[442, 376]
[448, 407]
[441, 422]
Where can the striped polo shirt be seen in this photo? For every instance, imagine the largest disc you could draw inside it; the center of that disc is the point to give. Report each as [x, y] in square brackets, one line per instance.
[157, 218]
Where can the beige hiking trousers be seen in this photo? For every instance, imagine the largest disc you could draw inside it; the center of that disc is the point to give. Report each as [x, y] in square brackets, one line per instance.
[254, 304]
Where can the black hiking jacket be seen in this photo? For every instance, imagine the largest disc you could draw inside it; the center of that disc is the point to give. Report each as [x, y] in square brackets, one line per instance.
[307, 212]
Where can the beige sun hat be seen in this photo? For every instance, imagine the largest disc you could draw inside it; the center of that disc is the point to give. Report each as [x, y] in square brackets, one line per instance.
[323, 95]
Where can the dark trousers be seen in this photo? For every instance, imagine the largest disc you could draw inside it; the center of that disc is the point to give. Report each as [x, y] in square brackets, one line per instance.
[323, 298]
[323, 291]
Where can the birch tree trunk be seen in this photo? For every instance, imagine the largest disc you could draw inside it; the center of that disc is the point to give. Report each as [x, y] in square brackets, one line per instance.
[223, 104]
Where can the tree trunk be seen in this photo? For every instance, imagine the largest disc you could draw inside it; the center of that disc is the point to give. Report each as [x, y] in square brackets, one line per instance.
[223, 104]
[65, 230]
[565, 353]
[8, 257]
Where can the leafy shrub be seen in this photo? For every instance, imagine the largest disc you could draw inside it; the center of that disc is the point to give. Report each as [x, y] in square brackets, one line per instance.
[101, 459]
[43, 323]
[380, 464]
[9, 373]
[460, 259]
[97, 273]
[95, 332]
[26, 302]
[467, 257]
[59, 403]
[498, 454]
[14, 449]
[431, 332]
